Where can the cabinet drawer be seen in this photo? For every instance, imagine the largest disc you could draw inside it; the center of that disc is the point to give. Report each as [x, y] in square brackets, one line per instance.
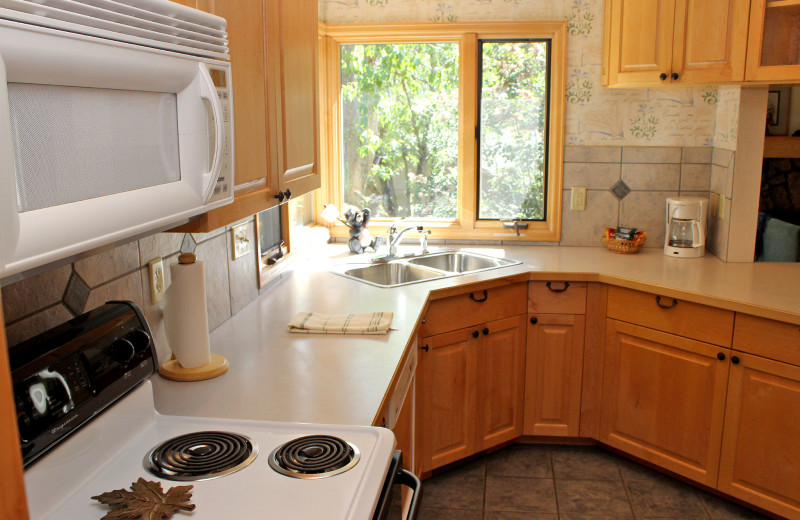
[772, 339]
[473, 308]
[557, 297]
[672, 315]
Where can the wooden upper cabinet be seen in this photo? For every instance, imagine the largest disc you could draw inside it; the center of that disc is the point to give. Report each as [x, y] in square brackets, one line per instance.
[658, 42]
[710, 40]
[293, 28]
[640, 40]
[773, 54]
[273, 46]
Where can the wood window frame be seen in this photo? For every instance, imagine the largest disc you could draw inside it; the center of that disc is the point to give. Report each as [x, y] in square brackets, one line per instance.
[467, 35]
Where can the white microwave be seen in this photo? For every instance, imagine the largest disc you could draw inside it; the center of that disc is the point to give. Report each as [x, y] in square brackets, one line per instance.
[116, 120]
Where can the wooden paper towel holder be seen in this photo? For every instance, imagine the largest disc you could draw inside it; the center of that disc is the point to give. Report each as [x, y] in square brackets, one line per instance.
[174, 371]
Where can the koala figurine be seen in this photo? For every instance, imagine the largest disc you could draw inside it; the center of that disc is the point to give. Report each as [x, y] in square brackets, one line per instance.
[360, 237]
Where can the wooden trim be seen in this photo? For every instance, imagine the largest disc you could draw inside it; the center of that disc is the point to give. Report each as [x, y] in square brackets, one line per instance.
[467, 35]
[467, 143]
[593, 348]
[14, 505]
[781, 147]
[243, 206]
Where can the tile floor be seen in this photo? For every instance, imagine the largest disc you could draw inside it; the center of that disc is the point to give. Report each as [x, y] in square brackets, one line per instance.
[527, 482]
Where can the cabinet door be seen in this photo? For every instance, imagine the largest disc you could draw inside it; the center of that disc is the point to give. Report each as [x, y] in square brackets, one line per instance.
[553, 374]
[640, 41]
[773, 45]
[246, 38]
[14, 504]
[761, 448]
[292, 37]
[501, 381]
[664, 399]
[710, 40]
[446, 407]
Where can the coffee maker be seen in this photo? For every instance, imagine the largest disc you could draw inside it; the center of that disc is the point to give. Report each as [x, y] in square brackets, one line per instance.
[686, 227]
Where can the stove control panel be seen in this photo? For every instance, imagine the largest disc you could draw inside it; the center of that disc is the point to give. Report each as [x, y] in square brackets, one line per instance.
[67, 375]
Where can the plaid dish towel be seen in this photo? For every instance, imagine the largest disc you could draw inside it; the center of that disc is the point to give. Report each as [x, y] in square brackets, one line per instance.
[363, 323]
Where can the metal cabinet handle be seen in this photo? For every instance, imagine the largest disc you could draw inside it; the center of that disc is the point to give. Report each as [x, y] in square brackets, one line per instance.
[566, 286]
[475, 333]
[280, 196]
[735, 360]
[485, 332]
[721, 356]
[534, 320]
[674, 75]
[288, 193]
[673, 304]
[485, 297]
[425, 348]
[663, 76]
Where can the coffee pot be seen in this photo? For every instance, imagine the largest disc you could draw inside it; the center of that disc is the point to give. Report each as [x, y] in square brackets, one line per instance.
[686, 227]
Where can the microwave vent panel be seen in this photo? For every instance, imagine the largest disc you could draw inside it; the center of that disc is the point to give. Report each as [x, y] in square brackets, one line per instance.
[160, 24]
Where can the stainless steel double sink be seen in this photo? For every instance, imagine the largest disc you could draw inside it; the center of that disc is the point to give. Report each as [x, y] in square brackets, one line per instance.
[430, 266]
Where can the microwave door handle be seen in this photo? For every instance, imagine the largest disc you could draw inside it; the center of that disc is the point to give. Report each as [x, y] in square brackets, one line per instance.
[209, 92]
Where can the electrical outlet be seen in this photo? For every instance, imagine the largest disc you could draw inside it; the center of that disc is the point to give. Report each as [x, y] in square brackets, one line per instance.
[240, 241]
[157, 283]
[578, 199]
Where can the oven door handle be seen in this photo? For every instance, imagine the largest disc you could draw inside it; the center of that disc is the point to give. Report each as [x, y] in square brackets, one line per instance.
[408, 479]
[403, 477]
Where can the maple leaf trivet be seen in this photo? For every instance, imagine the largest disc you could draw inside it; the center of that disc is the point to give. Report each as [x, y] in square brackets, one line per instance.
[146, 501]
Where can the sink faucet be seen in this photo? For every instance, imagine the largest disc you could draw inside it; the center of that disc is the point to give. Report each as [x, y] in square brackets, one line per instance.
[396, 236]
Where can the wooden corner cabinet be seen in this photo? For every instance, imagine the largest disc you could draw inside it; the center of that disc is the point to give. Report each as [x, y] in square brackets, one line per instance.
[273, 48]
[661, 42]
[470, 385]
[470, 381]
[773, 54]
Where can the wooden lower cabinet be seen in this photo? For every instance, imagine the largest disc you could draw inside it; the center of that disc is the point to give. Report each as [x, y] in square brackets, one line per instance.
[469, 390]
[760, 460]
[553, 374]
[664, 399]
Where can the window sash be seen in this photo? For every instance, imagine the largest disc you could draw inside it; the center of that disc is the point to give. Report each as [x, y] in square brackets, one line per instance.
[467, 35]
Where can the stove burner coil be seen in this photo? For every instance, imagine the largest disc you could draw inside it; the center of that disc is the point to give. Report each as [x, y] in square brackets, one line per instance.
[314, 456]
[200, 456]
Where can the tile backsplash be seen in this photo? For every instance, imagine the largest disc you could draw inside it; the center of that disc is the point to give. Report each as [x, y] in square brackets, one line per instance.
[628, 185]
[40, 302]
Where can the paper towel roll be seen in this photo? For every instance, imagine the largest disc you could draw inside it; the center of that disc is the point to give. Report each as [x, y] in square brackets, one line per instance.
[185, 317]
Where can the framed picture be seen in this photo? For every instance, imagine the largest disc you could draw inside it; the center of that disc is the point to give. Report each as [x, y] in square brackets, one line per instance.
[778, 111]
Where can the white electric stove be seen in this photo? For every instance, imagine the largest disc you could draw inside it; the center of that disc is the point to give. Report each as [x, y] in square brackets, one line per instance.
[239, 469]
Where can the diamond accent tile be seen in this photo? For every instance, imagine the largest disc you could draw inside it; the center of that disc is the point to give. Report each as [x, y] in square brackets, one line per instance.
[620, 190]
[188, 245]
[76, 294]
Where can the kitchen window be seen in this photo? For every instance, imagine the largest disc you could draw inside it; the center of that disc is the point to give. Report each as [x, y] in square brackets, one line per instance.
[456, 127]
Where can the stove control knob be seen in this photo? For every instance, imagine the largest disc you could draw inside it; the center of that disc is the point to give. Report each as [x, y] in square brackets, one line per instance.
[121, 351]
[139, 339]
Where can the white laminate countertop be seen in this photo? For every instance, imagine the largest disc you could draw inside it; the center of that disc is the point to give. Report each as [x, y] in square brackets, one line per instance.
[279, 376]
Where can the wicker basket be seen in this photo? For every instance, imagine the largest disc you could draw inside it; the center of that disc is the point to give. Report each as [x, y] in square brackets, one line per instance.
[625, 246]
